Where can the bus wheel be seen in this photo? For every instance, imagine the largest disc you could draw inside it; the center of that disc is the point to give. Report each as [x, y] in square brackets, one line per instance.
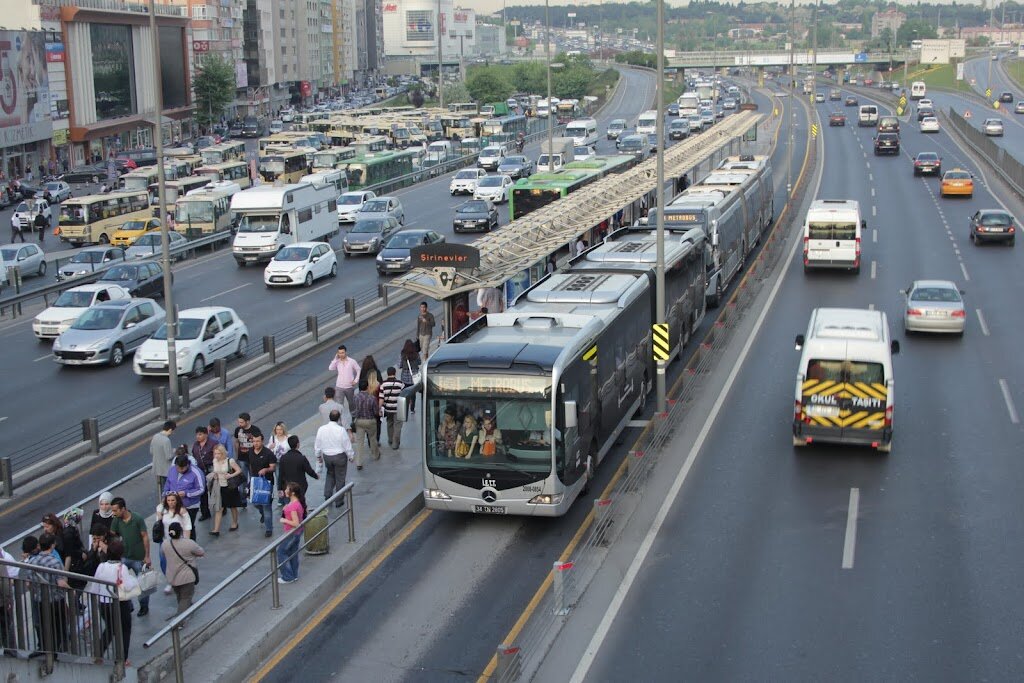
[645, 388]
[104, 239]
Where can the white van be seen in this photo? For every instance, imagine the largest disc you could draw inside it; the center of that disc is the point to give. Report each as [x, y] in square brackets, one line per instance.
[582, 131]
[267, 217]
[439, 152]
[844, 383]
[918, 89]
[832, 232]
[647, 123]
[868, 115]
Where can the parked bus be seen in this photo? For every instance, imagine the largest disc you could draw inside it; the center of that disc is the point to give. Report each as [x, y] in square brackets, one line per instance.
[540, 189]
[512, 124]
[332, 158]
[93, 219]
[557, 376]
[231, 171]
[287, 167]
[469, 108]
[205, 212]
[232, 150]
[365, 170]
[174, 189]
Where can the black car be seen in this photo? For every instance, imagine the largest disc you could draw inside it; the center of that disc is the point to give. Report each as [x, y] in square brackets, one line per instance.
[516, 167]
[993, 225]
[1006, 96]
[927, 162]
[395, 256]
[86, 173]
[924, 112]
[673, 109]
[887, 143]
[475, 215]
[140, 279]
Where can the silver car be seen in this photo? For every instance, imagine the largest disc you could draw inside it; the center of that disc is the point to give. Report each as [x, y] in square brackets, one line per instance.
[378, 207]
[27, 258]
[89, 260]
[992, 127]
[934, 306]
[150, 245]
[105, 333]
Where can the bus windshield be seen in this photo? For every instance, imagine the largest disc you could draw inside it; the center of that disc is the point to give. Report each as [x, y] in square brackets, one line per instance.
[72, 214]
[251, 223]
[832, 231]
[135, 184]
[197, 212]
[477, 422]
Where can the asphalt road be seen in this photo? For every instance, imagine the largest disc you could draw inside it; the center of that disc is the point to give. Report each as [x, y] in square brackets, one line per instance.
[52, 396]
[745, 579]
[437, 608]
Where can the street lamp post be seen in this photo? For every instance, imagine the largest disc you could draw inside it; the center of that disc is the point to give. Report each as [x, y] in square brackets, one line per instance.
[547, 56]
[659, 131]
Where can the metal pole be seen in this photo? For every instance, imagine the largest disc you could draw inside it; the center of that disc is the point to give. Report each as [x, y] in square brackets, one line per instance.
[814, 56]
[792, 81]
[165, 248]
[659, 131]
[440, 60]
[991, 51]
[547, 55]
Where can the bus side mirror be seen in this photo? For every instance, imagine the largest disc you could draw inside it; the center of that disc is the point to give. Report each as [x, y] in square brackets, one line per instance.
[402, 413]
[894, 346]
[571, 418]
[799, 341]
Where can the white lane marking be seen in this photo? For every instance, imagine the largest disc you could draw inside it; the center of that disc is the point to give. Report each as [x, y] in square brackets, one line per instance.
[874, 234]
[871, 307]
[1010, 408]
[601, 632]
[872, 192]
[307, 292]
[868, 164]
[874, 210]
[49, 355]
[874, 269]
[981, 322]
[637, 423]
[871, 177]
[964, 269]
[3, 418]
[850, 542]
[227, 291]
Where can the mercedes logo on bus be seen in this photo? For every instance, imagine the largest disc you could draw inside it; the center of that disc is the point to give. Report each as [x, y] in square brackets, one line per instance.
[489, 495]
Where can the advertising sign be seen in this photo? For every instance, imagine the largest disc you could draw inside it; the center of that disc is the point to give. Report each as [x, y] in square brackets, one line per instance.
[306, 88]
[445, 254]
[24, 89]
[55, 52]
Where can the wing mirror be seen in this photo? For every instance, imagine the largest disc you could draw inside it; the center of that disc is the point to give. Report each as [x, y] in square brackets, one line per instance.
[799, 341]
[129, 325]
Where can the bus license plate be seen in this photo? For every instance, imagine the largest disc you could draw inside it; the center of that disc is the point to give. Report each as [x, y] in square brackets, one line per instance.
[489, 509]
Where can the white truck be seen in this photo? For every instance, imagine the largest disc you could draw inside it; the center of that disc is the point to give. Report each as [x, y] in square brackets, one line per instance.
[557, 155]
[268, 217]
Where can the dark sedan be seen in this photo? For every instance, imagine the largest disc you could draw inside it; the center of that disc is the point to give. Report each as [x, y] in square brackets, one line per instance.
[395, 257]
[851, 102]
[516, 167]
[993, 225]
[86, 173]
[1006, 96]
[927, 162]
[140, 279]
[475, 215]
[887, 143]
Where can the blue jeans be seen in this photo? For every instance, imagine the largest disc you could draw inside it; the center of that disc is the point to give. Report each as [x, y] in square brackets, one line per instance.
[243, 488]
[268, 514]
[136, 566]
[288, 556]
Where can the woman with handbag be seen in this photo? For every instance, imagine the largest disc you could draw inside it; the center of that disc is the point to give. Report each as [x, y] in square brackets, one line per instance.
[171, 510]
[181, 552]
[223, 482]
[115, 571]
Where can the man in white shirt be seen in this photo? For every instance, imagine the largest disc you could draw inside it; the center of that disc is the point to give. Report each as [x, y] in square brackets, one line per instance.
[333, 447]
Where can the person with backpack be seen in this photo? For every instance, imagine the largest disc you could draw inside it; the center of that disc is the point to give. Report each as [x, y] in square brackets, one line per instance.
[291, 521]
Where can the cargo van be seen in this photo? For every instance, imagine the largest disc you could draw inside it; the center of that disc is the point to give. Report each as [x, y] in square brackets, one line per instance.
[582, 131]
[832, 232]
[868, 115]
[844, 383]
[918, 89]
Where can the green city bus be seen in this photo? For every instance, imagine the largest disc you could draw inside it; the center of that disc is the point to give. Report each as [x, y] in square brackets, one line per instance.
[540, 189]
[365, 170]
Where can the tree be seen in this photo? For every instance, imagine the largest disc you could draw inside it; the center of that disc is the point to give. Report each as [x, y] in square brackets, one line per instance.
[214, 87]
[530, 77]
[571, 83]
[416, 98]
[914, 29]
[488, 84]
[455, 92]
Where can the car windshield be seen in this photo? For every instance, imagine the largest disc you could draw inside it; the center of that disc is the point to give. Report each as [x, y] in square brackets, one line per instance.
[958, 175]
[993, 122]
[375, 206]
[130, 226]
[73, 299]
[53, 187]
[188, 328]
[9, 254]
[927, 156]
[350, 199]
[368, 225]
[987, 219]
[513, 161]
[946, 294]
[22, 208]
[630, 142]
[465, 175]
[119, 273]
[98, 319]
[293, 254]
[490, 181]
[405, 240]
[490, 152]
[478, 206]
[148, 240]
[251, 223]
[88, 257]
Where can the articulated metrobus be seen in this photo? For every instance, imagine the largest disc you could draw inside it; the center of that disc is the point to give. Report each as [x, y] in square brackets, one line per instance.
[540, 189]
[520, 407]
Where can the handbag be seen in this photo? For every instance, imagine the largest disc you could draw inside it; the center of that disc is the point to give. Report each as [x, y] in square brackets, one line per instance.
[148, 581]
[260, 491]
[125, 594]
[187, 563]
[236, 480]
[158, 531]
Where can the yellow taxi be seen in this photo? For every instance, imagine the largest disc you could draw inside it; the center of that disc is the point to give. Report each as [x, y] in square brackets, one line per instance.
[957, 181]
[132, 230]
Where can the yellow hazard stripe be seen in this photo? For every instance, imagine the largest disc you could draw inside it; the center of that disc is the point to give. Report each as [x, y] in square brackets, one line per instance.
[875, 420]
[590, 353]
[814, 386]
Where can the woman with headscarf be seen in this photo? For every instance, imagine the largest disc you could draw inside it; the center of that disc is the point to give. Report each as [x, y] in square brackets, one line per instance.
[103, 515]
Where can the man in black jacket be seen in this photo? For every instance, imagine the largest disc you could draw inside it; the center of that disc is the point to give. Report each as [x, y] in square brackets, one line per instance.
[293, 467]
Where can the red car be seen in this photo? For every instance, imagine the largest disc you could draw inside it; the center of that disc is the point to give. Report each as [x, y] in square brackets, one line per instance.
[837, 119]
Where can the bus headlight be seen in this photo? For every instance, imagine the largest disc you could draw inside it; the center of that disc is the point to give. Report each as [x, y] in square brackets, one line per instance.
[546, 499]
[436, 494]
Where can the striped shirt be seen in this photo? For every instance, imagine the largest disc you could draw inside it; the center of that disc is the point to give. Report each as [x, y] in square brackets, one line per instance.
[389, 391]
[366, 407]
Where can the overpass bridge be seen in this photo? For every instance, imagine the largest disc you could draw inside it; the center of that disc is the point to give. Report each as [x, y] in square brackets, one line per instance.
[754, 58]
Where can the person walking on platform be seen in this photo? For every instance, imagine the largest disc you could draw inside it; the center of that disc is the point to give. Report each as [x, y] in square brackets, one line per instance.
[162, 452]
[425, 329]
[333, 448]
[347, 371]
[329, 405]
[390, 390]
[293, 467]
[364, 417]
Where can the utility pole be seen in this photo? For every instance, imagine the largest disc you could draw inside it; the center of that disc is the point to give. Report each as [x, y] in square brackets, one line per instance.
[814, 54]
[792, 107]
[165, 243]
[991, 41]
[547, 55]
[440, 60]
[659, 131]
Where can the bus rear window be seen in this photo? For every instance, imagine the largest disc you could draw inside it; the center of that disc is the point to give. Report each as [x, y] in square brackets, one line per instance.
[845, 371]
[832, 231]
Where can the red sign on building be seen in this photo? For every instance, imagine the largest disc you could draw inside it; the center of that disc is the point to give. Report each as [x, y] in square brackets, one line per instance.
[200, 46]
[306, 88]
[390, 7]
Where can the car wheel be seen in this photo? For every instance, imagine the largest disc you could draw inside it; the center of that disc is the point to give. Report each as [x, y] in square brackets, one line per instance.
[116, 355]
[308, 282]
[198, 367]
[104, 239]
[334, 269]
[242, 344]
[42, 269]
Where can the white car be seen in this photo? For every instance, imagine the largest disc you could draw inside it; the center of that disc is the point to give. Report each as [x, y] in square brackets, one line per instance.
[929, 124]
[287, 115]
[205, 335]
[464, 182]
[494, 187]
[300, 264]
[276, 126]
[27, 210]
[992, 127]
[491, 157]
[583, 152]
[26, 257]
[925, 102]
[350, 203]
[72, 303]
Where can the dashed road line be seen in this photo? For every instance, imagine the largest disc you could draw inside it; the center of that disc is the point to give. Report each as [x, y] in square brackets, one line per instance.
[1010, 408]
[307, 292]
[874, 269]
[49, 355]
[963, 268]
[874, 210]
[874, 234]
[227, 291]
[850, 541]
[981, 322]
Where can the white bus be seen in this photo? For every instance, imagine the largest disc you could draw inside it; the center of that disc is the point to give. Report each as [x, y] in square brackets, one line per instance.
[918, 89]
[832, 233]
[647, 123]
[689, 104]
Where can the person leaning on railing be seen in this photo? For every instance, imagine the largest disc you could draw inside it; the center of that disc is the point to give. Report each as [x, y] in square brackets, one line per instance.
[114, 571]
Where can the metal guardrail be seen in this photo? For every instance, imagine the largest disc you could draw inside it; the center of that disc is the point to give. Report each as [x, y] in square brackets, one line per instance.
[1001, 161]
[178, 623]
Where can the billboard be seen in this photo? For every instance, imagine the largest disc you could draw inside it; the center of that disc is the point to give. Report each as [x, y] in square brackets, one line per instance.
[934, 52]
[24, 88]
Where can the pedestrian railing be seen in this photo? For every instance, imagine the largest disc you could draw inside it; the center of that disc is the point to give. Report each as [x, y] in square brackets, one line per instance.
[182, 643]
[40, 620]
